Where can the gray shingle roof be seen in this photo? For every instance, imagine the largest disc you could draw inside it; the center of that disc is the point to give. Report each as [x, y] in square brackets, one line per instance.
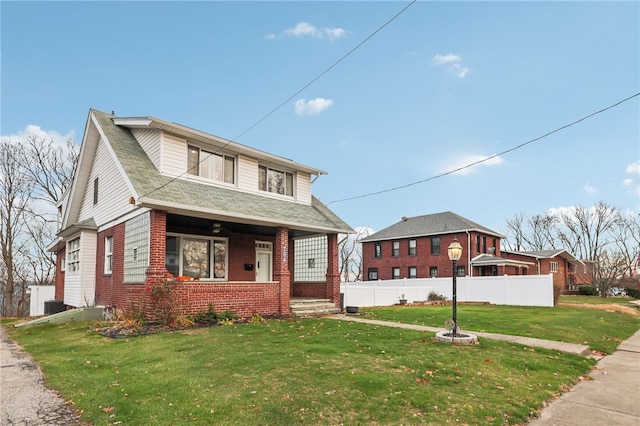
[155, 189]
[431, 224]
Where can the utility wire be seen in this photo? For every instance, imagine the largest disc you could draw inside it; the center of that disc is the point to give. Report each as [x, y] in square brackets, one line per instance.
[283, 103]
[488, 158]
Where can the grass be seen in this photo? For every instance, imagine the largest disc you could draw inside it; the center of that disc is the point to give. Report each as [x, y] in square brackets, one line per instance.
[320, 372]
[600, 329]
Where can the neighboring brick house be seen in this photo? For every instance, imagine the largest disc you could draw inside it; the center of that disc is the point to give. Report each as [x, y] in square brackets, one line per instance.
[151, 197]
[416, 247]
[568, 271]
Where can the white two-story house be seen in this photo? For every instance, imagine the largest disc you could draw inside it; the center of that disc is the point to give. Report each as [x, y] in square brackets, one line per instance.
[152, 199]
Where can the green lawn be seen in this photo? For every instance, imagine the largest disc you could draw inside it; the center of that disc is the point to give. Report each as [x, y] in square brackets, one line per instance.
[600, 329]
[320, 372]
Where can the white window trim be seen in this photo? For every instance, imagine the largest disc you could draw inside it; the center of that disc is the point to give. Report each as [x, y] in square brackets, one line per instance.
[211, 254]
[71, 254]
[553, 267]
[281, 170]
[108, 255]
[203, 179]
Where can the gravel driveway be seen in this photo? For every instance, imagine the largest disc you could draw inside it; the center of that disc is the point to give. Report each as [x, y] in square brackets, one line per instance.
[23, 398]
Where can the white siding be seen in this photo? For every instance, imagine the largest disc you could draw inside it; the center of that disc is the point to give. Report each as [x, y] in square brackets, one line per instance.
[80, 286]
[149, 139]
[113, 193]
[303, 188]
[174, 155]
[247, 174]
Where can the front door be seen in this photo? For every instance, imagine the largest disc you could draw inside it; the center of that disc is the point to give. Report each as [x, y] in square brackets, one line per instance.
[263, 262]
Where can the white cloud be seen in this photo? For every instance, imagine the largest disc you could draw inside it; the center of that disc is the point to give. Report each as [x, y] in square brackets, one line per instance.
[314, 106]
[633, 168]
[628, 182]
[304, 29]
[559, 211]
[451, 63]
[33, 130]
[469, 164]
[589, 189]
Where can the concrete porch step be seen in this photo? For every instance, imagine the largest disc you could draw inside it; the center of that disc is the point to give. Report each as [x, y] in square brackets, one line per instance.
[312, 308]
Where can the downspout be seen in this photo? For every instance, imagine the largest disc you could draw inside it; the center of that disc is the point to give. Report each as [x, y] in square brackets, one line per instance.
[469, 267]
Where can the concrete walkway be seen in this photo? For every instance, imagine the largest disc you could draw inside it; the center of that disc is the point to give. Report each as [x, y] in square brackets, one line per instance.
[24, 400]
[610, 398]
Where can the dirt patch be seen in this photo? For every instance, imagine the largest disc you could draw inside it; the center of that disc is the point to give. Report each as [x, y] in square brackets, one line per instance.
[629, 310]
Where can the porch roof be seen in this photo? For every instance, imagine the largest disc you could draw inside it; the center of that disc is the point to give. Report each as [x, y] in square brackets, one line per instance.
[491, 260]
[181, 196]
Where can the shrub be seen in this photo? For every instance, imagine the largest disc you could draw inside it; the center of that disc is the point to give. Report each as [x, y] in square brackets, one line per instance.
[435, 296]
[164, 303]
[632, 292]
[588, 290]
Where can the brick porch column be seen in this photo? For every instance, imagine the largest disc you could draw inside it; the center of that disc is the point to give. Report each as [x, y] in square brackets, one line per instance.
[332, 285]
[157, 243]
[281, 269]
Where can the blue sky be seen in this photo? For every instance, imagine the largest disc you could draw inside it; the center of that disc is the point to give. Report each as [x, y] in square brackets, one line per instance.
[442, 85]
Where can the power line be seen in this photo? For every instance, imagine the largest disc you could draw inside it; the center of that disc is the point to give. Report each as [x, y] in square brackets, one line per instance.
[488, 158]
[283, 103]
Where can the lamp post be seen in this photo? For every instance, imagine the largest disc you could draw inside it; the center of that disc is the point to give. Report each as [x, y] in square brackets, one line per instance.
[455, 252]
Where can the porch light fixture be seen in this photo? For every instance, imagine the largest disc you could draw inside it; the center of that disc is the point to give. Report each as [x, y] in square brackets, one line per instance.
[455, 252]
[216, 228]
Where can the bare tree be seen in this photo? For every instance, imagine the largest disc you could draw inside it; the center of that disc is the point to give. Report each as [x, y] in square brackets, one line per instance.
[350, 252]
[15, 190]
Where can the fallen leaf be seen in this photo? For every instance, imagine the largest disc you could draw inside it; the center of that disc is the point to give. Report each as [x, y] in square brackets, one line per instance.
[108, 409]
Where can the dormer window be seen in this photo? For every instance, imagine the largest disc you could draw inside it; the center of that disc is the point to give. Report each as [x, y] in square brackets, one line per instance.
[211, 165]
[275, 181]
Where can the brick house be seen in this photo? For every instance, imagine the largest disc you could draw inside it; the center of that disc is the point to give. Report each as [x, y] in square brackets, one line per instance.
[568, 271]
[151, 197]
[416, 247]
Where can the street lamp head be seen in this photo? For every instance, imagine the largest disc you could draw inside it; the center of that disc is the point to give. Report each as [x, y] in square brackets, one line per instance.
[454, 250]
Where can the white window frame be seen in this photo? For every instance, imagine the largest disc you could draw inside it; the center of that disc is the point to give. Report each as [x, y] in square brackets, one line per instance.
[553, 267]
[212, 241]
[395, 276]
[204, 155]
[108, 254]
[73, 255]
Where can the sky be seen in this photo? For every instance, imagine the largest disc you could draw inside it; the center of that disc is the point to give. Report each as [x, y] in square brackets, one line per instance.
[390, 98]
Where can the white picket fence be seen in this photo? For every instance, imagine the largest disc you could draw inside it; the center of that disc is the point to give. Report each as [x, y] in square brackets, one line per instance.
[519, 290]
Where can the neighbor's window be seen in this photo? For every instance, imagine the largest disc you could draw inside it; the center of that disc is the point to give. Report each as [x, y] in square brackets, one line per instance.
[275, 181]
[378, 249]
[433, 271]
[395, 273]
[435, 246]
[211, 165]
[108, 254]
[196, 257]
[412, 248]
[413, 272]
[396, 249]
[553, 266]
[372, 273]
[460, 272]
[73, 255]
[63, 264]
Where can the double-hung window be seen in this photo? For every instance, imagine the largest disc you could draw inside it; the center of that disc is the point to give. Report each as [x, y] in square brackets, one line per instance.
[412, 248]
[372, 274]
[395, 273]
[276, 181]
[73, 255]
[197, 256]
[378, 250]
[108, 254]
[413, 272]
[435, 246]
[211, 165]
[395, 252]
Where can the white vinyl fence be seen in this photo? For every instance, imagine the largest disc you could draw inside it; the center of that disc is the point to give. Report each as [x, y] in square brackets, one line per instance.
[522, 290]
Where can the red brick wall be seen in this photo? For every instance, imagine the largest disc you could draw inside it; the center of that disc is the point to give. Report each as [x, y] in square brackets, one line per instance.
[109, 289]
[59, 292]
[423, 260]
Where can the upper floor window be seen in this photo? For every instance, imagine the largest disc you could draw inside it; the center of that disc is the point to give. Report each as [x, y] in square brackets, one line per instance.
[378, 248]
[553, 266]
[396, 249]
[412, 248]
[108, 254]
[211, 165]
[95, 191]
[435, 246]
[73, 255]
[275, 181]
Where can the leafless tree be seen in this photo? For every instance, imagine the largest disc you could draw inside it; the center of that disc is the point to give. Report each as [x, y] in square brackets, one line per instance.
[350, 252]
